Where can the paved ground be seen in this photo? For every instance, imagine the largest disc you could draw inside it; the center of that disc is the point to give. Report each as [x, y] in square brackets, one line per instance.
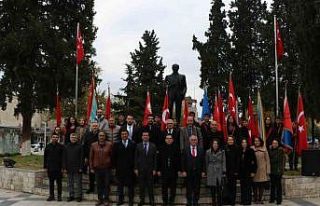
[10, 198]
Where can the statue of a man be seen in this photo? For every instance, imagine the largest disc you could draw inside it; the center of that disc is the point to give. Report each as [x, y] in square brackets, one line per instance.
[177, 88]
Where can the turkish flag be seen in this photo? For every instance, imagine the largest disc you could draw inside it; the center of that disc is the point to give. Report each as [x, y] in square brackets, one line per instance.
[279, 42]
[90, 98]
[216, 113]
[222, 117]
[58, 110]
[108, 108]
[252, 124]
[147, 110]
[302, 143]
[232, 100]
[165, 111]
[79, 44]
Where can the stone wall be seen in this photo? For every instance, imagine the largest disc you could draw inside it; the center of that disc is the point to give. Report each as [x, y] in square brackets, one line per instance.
[21, 180]
[32, 181]
[301, 187]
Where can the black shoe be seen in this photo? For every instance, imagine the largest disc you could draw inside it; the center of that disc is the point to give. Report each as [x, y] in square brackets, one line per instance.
[70, 199]
[79, 199]
[278, 203]
[50, 199]
[271, 201]
[59, 199]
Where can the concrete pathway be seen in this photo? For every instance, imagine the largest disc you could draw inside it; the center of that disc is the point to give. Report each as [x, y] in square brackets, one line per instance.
[11, 198]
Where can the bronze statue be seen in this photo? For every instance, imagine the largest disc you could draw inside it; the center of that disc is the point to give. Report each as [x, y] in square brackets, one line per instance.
[177, 88]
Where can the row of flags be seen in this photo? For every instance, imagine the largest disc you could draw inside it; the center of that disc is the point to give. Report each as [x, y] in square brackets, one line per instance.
[256, 127]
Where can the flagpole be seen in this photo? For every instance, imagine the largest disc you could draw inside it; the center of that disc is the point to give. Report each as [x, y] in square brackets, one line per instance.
[276, 64]
[77, 74]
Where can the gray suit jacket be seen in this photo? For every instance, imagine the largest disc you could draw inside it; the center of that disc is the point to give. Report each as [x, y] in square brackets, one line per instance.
[145, 163]
[184, 137]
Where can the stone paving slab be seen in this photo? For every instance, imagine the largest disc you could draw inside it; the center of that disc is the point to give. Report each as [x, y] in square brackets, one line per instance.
[12, 198]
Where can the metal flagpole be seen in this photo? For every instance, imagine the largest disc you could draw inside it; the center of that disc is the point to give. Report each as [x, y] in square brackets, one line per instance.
[77, 74]
[276, 64]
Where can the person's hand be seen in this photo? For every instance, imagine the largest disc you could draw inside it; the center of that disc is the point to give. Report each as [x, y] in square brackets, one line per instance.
[159, 173]
[179, 173]
[184, 174]
[154, 172]
[80, 170]
[86, 161]
[136, 172]
[203, 174]
[92, 170]
[252, 174]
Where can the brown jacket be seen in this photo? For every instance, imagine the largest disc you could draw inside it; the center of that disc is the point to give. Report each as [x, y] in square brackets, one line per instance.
[100, 155]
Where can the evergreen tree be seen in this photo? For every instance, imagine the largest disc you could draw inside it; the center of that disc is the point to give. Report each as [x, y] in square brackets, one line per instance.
[249, 45]
[38, 53]
[307, 28]
[145, 72]
[214, 53]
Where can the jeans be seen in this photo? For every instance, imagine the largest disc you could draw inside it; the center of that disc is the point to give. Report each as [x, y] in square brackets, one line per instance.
[103, 183]
[75, 184]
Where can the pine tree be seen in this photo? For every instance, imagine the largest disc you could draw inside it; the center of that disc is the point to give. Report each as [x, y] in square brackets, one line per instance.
[145, 72]
[38, 53]
[214, 53]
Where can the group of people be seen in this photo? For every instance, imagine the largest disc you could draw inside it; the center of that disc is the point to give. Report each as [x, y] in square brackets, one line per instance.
[143, 154]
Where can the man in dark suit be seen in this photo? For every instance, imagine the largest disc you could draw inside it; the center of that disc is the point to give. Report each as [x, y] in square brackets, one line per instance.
[189, 130]
[123, 160]
[193, 169]
[154, 131]
[171, 130]
[169, 165]
[145, 166]
[134, 131]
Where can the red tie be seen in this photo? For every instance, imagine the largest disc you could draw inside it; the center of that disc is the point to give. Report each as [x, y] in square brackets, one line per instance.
[193, 152]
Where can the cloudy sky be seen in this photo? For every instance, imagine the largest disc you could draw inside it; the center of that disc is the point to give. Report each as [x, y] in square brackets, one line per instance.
[121, 24]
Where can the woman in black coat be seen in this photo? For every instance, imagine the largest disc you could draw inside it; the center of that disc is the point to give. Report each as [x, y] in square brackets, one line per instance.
[232, 166]
[247, 169]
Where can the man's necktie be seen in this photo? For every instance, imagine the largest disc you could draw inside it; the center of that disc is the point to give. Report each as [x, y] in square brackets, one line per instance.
[193, 152]
[145, 148]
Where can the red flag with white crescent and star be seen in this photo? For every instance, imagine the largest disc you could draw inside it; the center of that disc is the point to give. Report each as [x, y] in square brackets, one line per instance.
[79, 45]
[165, 112]
[302, 143]
[232, 100]
[279, 43]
